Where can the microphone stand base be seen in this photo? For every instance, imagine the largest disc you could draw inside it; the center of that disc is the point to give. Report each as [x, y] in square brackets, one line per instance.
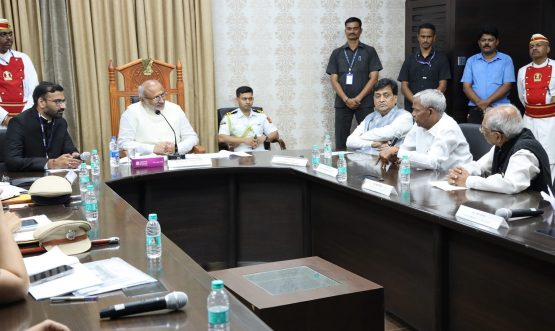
[176, 156]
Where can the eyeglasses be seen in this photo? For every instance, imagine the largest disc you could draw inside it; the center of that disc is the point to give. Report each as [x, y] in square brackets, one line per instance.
[6, 34]
[159, 97]
[58, 102]
[483, 129]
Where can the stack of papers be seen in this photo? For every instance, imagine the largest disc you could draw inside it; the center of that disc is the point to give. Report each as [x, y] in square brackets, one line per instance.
[10, 191]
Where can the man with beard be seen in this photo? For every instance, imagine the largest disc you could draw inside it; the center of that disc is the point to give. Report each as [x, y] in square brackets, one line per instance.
[427, 68]
[487, 76]
[148, 126]
[18, 77]
[37, 139]
[353, 70]
[536, 90]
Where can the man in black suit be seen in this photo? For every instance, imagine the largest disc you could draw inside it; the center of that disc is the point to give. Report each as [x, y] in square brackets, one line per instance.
[37, 139]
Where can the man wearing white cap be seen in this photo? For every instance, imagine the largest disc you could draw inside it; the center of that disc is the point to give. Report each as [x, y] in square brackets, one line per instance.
[536, 90]
[18, 77]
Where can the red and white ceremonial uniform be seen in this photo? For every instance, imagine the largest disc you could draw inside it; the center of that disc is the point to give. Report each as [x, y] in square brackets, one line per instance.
[18, 79]
[536, 90]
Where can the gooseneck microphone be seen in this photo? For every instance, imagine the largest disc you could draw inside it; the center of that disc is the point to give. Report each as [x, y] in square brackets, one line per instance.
[172, 301]
[176, 154]
[508, 213]
[85, 156]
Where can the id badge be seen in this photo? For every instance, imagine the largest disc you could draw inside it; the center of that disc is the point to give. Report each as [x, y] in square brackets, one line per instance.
[349, 79]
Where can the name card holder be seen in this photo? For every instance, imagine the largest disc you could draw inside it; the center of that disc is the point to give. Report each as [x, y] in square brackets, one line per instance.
[290, 160]
[481, 217]
[326, 170]
[377, 187]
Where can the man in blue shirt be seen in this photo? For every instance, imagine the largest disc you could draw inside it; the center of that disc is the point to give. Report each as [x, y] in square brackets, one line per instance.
[487, 76]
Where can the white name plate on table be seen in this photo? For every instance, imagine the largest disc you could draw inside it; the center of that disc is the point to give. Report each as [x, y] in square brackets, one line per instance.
[481, 217]
[377, 187]
[326, 170]
[290, 160]
[189, 163]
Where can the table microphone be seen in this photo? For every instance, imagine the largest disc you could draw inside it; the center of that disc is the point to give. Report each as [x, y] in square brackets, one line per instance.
[85, 156]
[172, 301]
[175, 155]
[508, 213]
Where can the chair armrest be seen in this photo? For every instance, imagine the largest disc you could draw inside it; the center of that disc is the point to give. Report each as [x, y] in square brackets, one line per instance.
[280, 142]
[198, 149]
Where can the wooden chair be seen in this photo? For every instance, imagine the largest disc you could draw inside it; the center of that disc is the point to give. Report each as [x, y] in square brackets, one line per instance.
[134, 74]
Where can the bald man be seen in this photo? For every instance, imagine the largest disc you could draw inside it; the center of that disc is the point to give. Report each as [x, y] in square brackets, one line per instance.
[516, 162]
[144, 128]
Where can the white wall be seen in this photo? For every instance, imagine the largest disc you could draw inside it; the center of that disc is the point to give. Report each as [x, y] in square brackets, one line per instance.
[281, 49]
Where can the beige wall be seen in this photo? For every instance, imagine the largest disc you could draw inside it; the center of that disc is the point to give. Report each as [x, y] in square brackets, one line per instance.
[281, 49]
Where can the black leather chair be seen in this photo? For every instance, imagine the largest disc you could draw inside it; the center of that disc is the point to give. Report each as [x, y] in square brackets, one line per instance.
[2, 149]
[476, 140]
[222, 146]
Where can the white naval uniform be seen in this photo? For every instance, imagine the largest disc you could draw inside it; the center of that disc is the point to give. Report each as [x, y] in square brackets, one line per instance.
[236, 124]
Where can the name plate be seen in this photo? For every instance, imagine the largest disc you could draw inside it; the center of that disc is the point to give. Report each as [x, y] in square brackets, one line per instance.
[481, 217]
[71, 176]
[290, 160]
[377, 187]
[189, 163]
[326, 170]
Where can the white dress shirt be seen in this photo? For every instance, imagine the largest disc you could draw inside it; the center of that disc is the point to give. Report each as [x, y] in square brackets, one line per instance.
[442, 147]
[398, 127]
[522, 168]
[236, 124]
[141, 128]
[29, 82]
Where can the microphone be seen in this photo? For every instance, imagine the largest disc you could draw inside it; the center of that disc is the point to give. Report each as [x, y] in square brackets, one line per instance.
[172, 301]
[508, 213]
[175, 155]
[85, 156]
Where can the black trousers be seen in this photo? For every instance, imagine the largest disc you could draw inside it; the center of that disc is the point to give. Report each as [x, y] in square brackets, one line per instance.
[475, 115]
[343, 120]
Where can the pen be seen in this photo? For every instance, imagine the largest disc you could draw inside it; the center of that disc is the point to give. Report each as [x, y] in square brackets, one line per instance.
[73, 298]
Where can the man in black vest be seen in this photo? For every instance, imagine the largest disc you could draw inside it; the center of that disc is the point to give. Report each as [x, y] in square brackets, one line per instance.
[517, 161]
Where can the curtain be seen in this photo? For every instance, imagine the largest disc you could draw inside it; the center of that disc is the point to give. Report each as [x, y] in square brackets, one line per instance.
[81, 37]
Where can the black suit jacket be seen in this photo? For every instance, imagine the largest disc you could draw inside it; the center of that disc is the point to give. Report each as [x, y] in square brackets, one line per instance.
[24, 149]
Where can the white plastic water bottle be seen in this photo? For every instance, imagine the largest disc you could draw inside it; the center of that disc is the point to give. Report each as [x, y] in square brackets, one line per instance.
[153, 237]
[95, 159]
[341, 168]
[404, 173]
[114, 153]
[315, 156]
[327, 146]
[84, 181]
[91, 205]
[217, 305]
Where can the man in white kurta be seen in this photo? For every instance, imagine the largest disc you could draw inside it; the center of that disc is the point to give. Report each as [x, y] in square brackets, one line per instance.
[386, 125]
[18, 77]
[148, 132]
[536, 90]
[435, 141]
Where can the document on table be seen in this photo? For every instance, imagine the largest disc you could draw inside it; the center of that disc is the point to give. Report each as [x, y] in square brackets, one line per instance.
[9, 191]
[81, 276]
[115, 274]
[223, 154]
[24, 235]
[444, 185]
[189, 163]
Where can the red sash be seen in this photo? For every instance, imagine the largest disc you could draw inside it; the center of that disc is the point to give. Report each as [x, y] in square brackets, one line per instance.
[11, 85]
[536, 82]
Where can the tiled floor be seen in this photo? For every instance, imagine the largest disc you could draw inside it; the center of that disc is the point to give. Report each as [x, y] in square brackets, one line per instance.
[392, 323]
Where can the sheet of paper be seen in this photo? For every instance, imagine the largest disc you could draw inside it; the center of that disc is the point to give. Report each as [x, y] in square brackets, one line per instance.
[115, 274]
[549, 197]
[290, 160]
[9, 191]
[22, 236]
[444, 185]
[223, 154]
[189, 163]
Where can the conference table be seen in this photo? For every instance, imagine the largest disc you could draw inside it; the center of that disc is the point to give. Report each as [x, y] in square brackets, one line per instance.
[439, 272]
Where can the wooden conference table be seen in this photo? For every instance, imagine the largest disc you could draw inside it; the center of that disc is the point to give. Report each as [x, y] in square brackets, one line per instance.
[439, 273]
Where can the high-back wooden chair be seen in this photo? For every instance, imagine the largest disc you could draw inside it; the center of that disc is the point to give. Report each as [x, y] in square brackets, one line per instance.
[134, 74]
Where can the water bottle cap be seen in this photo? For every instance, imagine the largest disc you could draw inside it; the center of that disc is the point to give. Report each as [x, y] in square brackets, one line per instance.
[217, 284]
[314, 146]
[341, 155]
[94, 151]
[83, 165]
[90, 187]
[405, 157]
[153, 217]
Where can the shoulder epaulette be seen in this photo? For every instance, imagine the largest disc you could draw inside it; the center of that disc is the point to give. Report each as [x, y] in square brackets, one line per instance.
[259, 111]
[231, 112]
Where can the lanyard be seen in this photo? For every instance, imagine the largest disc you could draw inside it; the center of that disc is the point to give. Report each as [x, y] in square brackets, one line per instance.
[350, 63]
[429, 62]
[46, 145]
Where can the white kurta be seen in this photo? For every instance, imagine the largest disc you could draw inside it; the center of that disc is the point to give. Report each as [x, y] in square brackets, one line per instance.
[29, 82]
[542, 128]
[442, 147]
[141, 128]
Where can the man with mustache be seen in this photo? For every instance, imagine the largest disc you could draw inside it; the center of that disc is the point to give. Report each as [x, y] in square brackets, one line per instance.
[536, 90]
[425, 69]
[353, 70]
[487, 76]
[18, 77]
[37, 139]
